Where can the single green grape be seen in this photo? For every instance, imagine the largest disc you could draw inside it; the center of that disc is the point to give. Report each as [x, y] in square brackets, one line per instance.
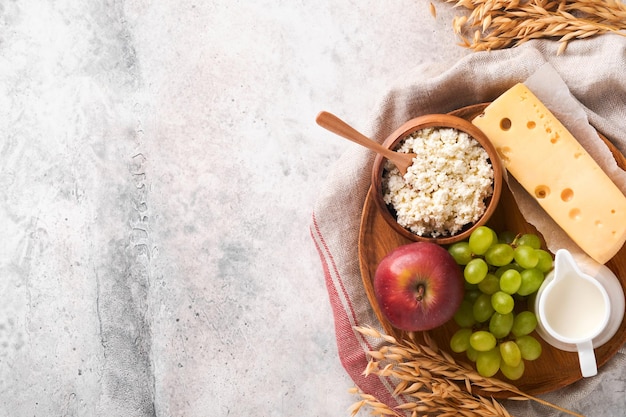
[469, 287]
[524, 323]
[512, 372]
[500, 325]
[502, 302]
[482, 308]
[501, 270]
[506, 237]
[464, 315]
[481, 239]
[531, 281]
[489, 284]
[529, 239]
[475, 270]
[461, 252]
[482, 340]
[488, 363]
[510, 353]
[499, 254]
[545, 260]
[471, 353]
[472, 294]
[460, 340]
[510, 281]
[494, 235]
[529, 347]
[526, 256]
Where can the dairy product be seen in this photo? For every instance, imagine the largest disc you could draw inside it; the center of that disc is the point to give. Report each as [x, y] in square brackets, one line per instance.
[555, 169]
[575, 308]
[446, 187]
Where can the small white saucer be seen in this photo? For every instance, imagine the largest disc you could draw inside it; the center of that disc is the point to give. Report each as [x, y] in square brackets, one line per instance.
[616, 295]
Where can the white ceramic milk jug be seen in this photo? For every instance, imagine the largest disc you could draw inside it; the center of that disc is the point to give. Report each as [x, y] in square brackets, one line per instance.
[574, 308]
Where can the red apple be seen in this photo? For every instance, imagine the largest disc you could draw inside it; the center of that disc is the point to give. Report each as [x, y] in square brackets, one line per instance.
[418, 286]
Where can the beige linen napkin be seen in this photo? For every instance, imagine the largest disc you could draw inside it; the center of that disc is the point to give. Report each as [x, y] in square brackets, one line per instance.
[595, 73]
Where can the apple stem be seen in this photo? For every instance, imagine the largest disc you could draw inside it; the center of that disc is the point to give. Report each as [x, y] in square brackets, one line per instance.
[420, 292]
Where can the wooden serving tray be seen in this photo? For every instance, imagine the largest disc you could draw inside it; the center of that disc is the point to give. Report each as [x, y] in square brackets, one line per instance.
[555, 368]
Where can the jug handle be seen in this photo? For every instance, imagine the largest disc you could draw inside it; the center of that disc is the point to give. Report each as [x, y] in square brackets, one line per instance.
[587, 358]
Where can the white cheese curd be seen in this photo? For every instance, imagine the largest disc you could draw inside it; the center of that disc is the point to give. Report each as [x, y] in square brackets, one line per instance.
[446, 187]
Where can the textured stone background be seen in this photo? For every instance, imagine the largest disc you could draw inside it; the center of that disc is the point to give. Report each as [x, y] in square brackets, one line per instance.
[159, 162]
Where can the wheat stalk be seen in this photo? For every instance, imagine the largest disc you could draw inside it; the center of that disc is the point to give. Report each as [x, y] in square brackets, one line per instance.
[498, 24]
[432, 381]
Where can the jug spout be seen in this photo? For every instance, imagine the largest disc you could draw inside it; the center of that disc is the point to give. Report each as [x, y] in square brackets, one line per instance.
[565, 265]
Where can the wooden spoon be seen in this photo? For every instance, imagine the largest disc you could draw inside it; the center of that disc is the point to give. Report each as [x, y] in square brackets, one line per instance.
[334, 124]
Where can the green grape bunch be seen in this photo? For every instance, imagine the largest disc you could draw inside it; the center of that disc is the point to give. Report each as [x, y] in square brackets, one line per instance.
[501, 272]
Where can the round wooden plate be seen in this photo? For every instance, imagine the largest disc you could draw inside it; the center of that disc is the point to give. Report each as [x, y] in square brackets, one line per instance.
[555, 368]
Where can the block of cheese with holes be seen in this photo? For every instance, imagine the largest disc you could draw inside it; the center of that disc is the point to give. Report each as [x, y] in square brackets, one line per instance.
[555, 169]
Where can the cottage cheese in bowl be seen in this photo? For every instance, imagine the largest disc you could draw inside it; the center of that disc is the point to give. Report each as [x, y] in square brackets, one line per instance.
[446, 187]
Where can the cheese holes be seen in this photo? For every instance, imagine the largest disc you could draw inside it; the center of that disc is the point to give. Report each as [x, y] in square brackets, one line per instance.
[531, 125]
[542, 191]
[567, 194]
[505, 124]
[574, 214]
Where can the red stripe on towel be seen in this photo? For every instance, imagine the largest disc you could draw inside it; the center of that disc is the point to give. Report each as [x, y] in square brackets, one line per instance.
[351, 349]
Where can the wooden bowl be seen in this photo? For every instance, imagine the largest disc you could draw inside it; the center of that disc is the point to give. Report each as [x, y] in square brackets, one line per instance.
[441, 121]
